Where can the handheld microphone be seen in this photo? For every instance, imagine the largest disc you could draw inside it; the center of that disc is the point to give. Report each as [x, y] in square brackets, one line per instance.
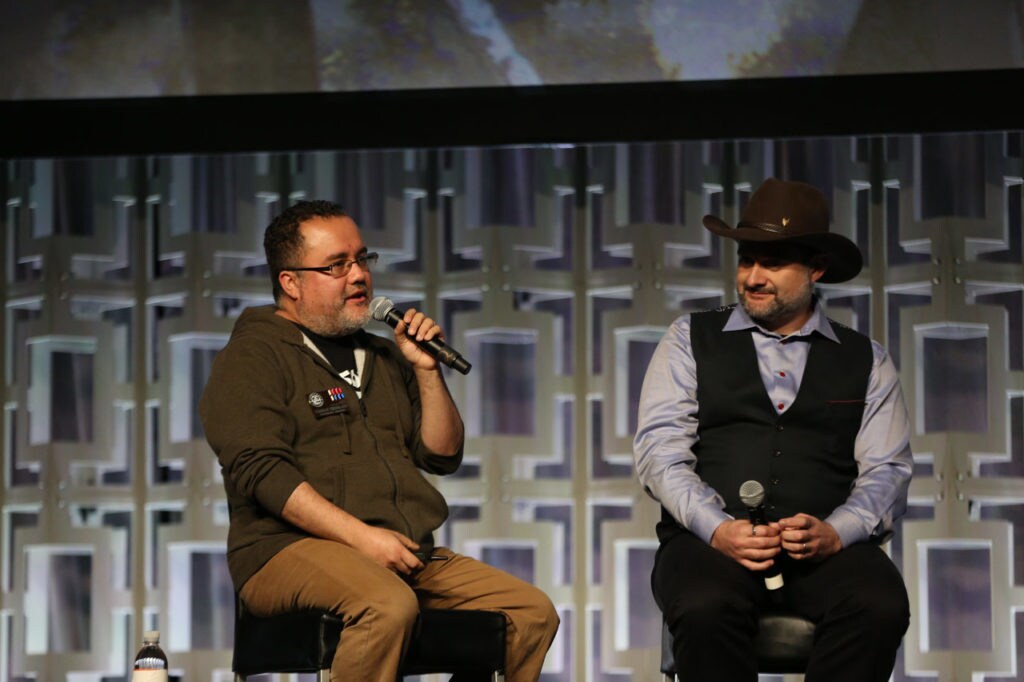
[383, 309]
[752, 496]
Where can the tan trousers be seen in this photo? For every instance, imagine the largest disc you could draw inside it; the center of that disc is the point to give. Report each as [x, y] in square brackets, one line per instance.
[379, 607]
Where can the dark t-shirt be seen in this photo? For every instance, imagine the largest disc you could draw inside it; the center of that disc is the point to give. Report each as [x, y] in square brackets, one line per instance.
[339, 350]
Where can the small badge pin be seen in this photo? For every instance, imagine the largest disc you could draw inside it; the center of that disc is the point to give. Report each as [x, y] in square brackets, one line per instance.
[327, 402]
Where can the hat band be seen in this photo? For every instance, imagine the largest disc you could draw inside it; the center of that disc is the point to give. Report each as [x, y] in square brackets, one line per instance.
[769, 227]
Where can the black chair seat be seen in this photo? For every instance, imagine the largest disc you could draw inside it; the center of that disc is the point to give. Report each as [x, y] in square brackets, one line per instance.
[455, 641]
[299, 642]
[782, 645]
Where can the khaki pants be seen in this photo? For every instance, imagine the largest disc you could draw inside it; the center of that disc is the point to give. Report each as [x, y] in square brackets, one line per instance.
[379, 607]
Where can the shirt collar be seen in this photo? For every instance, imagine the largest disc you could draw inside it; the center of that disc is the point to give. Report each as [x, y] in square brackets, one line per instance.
[817, 322]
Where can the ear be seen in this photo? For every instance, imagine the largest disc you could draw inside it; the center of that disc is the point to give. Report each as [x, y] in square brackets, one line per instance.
[289, 282]
[818, 265]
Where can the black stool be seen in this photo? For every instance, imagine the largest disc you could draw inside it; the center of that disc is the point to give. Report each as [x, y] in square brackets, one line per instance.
[455, 641]
[782, 645]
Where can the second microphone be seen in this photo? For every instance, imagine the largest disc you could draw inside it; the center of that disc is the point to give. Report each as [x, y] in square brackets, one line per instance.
[383, 309]
[752, 496]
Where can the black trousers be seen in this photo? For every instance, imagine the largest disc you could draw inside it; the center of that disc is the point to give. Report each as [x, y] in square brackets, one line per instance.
[711, 603]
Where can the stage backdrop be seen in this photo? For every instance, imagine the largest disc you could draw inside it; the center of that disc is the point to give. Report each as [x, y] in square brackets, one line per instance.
[60, 49]
[555, 269]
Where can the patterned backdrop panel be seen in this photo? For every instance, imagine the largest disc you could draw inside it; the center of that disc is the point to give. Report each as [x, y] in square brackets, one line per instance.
[555, 269]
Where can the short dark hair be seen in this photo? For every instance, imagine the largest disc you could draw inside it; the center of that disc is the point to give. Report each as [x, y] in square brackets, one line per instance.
[282, 240]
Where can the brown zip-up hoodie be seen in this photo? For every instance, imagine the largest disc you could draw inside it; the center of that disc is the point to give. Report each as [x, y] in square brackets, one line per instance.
[277, 414]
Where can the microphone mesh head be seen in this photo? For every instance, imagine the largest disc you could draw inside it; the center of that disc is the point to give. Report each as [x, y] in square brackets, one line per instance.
[752, 494]
[380, 307]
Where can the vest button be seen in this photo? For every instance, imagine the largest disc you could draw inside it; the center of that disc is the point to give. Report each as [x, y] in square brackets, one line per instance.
[775, 481]
[779, 427]
[777, 453]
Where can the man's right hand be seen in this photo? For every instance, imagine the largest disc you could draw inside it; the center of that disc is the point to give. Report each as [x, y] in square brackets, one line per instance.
[752, 546]
[389, 548]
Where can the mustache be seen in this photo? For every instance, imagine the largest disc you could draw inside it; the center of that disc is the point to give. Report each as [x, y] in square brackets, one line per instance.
[759, 290]
[357, 290]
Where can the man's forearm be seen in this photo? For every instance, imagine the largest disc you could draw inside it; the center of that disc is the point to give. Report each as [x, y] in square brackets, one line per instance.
[441, 428]
[312, 512]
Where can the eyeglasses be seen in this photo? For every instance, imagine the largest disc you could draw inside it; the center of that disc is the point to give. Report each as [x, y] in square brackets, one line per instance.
[342, 267]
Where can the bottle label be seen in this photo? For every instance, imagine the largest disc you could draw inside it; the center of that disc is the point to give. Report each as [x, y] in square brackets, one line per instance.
[149, 676]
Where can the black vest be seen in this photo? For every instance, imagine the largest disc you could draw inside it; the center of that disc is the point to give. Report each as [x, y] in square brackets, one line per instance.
[804, 457]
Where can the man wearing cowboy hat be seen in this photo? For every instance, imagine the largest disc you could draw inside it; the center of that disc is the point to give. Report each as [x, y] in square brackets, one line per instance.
[772, 391]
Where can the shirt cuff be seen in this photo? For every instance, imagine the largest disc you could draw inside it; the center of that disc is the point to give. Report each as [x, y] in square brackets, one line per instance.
[848, 526]
[705, 524]
[285, 479]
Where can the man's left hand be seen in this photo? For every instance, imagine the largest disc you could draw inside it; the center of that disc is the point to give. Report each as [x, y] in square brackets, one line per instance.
[806, 538]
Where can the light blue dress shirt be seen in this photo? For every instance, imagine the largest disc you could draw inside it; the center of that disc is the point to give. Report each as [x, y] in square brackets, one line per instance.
[667, 430]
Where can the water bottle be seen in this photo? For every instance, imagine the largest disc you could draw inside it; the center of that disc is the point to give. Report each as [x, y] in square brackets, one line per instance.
[151, 661]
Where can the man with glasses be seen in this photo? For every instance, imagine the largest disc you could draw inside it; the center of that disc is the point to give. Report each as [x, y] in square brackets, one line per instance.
[321, 430]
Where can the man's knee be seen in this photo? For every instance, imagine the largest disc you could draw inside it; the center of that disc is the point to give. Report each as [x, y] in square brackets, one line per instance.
[399, 606]
[393, 611]
[888, 609]
[537, 607]
[547, 612]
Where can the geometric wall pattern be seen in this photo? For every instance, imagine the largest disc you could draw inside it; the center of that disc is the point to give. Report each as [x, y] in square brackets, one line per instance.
[555, 269]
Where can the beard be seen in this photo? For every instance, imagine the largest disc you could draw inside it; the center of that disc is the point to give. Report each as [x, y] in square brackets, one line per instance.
[338, 321]
[780, 309]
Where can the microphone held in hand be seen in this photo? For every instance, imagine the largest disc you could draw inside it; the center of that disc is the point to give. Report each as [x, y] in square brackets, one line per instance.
[383, 309]
[752, 496]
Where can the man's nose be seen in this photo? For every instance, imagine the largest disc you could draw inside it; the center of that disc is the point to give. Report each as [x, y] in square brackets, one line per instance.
[755, 275]
[358, 274]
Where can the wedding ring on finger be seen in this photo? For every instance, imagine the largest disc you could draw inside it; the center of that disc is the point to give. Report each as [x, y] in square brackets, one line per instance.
[753, 531]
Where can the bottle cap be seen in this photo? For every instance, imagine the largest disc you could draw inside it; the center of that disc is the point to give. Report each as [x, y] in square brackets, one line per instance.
[151, 636]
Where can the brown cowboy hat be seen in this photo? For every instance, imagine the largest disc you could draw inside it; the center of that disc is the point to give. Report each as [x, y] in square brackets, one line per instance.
[795, 212]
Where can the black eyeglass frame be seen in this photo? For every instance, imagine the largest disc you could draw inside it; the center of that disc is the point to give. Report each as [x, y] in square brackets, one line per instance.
[364, 261]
